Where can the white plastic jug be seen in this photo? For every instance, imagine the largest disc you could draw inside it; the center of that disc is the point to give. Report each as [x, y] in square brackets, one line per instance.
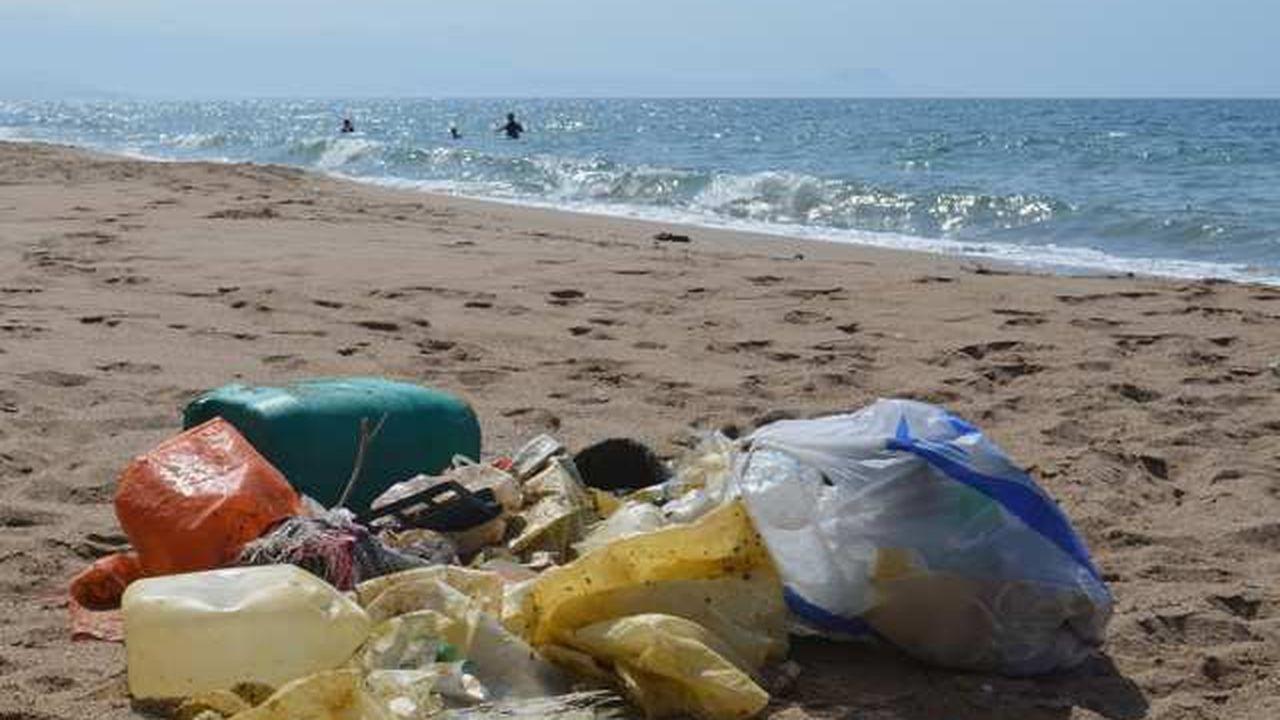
[197, 632]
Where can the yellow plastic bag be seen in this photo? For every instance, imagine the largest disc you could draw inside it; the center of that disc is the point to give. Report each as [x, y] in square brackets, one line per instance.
[714, 574]
[673, 666]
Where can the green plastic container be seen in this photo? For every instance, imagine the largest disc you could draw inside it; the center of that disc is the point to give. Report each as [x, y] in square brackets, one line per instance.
[310, 431]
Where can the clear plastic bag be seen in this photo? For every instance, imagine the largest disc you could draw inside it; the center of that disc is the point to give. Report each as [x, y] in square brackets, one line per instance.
[906, 523]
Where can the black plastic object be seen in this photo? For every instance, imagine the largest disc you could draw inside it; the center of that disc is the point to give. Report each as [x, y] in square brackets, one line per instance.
[619, 464]
[444, 507]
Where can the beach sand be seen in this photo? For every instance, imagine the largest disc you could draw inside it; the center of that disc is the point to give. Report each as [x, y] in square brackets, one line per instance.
[1147, 408]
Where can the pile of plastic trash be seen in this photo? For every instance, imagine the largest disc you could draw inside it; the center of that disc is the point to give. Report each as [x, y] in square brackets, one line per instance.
[335, 550]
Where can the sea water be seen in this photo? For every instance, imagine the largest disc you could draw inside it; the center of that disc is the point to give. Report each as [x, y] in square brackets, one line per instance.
[1187, 188]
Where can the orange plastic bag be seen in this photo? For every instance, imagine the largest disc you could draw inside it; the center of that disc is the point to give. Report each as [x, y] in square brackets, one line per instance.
[196, 499]
[190, 504]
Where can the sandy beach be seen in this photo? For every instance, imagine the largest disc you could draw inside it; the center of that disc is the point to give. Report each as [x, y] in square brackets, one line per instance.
[1148, 408]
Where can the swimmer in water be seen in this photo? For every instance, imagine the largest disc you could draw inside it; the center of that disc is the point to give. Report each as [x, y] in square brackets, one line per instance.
[348, 126]
[453, 132]
[513, 129]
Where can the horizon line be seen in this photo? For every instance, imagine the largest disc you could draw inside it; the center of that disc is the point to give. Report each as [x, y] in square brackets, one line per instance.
[108, 96]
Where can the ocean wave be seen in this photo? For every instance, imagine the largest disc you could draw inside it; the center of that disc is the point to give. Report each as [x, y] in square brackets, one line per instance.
[329, 153]
[1045, 257]
[198, 141]
[778, 197]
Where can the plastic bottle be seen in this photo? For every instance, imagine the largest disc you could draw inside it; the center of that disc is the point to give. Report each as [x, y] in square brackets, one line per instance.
[198, 632]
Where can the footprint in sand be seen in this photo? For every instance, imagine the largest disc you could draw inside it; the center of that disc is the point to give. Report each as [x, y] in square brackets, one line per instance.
[1097, 323]
[1135, 393]
[17, 517]
[285, 362]
[534, 417]
[979, 351]
[49, 684]
[811, 293]
[378, 325]
[1094, 297]
[54, 378]
[1029, 321]
[428, 347]
[739, 346]
[1155, 466]
[22, 330]
[480, 378]
[805, 317]
[261, 212]
[1000, 373]
[565, 297]
[108, 320]
[1194, 628]
[58, 491]
[96, 236]
[127, 280]
[1244, 604]
[129, 368]
[1133, 341]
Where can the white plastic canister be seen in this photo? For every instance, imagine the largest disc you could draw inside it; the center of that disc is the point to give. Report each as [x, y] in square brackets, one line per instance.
[191, 633]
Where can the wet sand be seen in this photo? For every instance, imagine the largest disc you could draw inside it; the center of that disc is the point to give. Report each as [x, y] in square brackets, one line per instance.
[1147, 408]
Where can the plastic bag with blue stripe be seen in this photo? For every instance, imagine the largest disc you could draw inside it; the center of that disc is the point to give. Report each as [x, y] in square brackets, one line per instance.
[905, 523]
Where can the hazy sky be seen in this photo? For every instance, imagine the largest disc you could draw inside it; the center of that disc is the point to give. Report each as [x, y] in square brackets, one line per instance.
[220, 48]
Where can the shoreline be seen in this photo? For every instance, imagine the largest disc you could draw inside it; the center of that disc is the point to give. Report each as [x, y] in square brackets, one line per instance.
[1149, 409]
[1049, 259]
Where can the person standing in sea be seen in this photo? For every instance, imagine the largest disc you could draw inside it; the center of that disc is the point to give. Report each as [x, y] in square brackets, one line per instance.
[513, 129]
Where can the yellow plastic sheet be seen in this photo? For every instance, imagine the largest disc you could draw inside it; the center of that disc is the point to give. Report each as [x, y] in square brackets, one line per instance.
[714, 573]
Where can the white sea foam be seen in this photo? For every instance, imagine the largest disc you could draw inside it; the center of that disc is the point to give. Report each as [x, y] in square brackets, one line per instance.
[341, 151]
[198, 141]
[1049, 258]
